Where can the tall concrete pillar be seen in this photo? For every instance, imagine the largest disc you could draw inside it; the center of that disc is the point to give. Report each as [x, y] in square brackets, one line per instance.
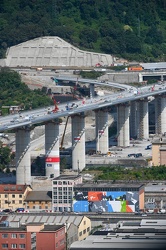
[92, 90]
[162, 78]
[123, 112]
[52, 149]
[101, 118]
[78, 142]
[160, 114]
[23, 160]
[133, 119]
[143, 119]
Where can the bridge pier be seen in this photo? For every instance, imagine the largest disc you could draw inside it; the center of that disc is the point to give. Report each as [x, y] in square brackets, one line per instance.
[52, 149]
[160, 114]
[123, 111]
[23, 160]
[78, 141]
[92, 90]
[101, 119]
[143, 119]
[133, 119]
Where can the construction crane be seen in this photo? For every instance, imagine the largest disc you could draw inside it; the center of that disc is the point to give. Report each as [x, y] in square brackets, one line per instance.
[55, 106]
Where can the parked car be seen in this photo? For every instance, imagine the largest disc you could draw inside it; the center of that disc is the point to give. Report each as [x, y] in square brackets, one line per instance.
[7, 210]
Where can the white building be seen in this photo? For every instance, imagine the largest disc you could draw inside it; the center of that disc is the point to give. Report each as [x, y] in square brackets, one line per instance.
[62, 192]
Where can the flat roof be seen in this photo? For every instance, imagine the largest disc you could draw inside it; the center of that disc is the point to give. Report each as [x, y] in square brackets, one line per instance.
[67, 177]
[108, 184]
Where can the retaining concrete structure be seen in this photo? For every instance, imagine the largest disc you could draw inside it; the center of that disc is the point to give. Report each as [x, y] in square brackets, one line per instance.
[123, 137]
[23, 161]
[52, 149]
[52, 51]
[160, 114]
[101, 119]
[78, 142]
[143, 119]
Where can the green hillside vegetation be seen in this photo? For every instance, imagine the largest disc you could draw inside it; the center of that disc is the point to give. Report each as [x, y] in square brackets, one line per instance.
[121, 173]
[13, 92]
[130, 29]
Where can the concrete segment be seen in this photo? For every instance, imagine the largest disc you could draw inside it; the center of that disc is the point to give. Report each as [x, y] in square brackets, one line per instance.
[160, 114]
[52, 51]
[92, 90]
[143, 119]
[52, 149]
[101, 131]
[123, 112]
[23, 161]
[78, 142]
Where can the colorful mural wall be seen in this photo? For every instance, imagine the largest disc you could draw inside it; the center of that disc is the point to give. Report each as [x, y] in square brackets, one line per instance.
[114, 201]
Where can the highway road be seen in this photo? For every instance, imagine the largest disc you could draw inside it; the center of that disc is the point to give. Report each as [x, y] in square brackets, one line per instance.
[28, 118]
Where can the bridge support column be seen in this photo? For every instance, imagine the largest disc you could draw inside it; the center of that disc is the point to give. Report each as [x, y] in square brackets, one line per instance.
[160, 114]
[23, 160]
[101, 131]
[92, 90]
[123, 111]
[143, 119]
[162, 78]
[78, 142]
[133, 119]
[52, 149]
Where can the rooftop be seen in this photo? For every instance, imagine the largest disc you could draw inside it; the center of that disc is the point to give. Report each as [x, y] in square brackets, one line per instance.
[39, 196]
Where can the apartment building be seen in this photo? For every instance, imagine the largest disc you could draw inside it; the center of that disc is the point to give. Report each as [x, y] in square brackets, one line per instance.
[39, 200]
[32, 236]
[62, 192]
[13, 196]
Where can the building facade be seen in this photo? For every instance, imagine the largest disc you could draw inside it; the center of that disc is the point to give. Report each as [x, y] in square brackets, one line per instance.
[159, 151]
[108, 197]
[62, 192]
[13, 196]
[39, 200]
[155, 196]
[32, 236]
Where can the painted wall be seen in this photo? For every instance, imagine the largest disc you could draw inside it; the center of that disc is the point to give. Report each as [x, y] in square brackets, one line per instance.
[113, 201]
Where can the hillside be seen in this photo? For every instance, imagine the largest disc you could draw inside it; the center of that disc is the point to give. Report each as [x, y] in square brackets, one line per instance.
[130, 29]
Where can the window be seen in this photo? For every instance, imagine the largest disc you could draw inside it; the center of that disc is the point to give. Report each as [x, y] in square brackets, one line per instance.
[22, 246]
[13, 195]
[33, 207]
[20, 195]
[13, 236]
[84, 232]
[56, 244]
[88, 229]
[4, 235]
[4, 246]
[80, 233]
[13, 246]
[20, 202]
[6, 196]
[13, 202]
[84, 222]
[22, 236]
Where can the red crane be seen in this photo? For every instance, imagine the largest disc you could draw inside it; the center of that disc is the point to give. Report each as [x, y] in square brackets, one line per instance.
[55, 105]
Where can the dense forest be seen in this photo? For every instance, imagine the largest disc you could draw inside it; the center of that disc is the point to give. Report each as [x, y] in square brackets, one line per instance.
[14, 92]
[132, 29]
